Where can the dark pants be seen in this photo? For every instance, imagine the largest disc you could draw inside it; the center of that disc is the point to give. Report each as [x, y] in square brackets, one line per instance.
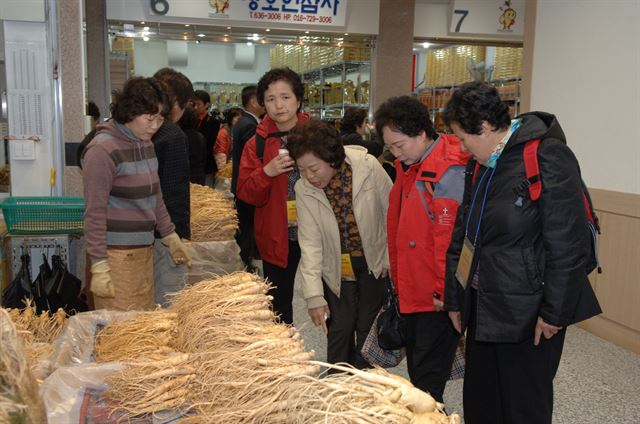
[509, 383]
[431, 346]
[352, 315]
[282, 280]
[244, 236]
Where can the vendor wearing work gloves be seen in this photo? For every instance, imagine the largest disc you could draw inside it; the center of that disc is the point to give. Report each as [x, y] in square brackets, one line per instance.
[123, 201]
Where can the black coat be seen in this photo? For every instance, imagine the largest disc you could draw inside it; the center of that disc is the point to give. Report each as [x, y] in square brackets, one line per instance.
[209, 128]
[197, 146]
[170, 144]
[373, 147]
[531, 256]
[243, 130]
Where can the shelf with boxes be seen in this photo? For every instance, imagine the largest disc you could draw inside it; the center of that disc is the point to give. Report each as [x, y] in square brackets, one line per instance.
[329, 89]
[435, 98]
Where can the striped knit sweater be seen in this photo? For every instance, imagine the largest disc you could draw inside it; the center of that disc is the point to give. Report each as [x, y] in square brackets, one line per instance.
[123, 201]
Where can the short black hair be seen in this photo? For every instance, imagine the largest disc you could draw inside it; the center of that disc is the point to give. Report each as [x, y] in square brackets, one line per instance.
[179, 86]
[405, 114]
[140, 96]
[202, 95]
[317, 137]
[231, 113]
[281, 74]
[247, 93]
[93, 110]
[189, 120]
[353, 118]
[475, 102]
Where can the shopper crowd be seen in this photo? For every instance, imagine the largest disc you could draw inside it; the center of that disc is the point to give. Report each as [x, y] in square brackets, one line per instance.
[448, 221]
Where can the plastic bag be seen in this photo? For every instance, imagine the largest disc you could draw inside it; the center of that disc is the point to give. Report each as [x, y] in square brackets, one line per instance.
[20, 287]
[213, 258]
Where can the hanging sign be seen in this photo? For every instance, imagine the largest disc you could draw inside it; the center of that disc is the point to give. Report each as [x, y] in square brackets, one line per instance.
[297, 12]
[487, 17]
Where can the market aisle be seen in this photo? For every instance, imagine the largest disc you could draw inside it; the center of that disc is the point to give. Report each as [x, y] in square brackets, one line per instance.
[597, 382]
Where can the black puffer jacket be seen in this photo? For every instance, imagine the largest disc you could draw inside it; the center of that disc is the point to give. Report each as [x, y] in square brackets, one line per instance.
[531, 256]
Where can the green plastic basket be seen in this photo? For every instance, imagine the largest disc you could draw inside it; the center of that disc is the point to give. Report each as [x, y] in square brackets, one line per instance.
[43, 215]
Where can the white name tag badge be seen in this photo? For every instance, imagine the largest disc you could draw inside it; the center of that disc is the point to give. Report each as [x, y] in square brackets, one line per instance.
[463, 271]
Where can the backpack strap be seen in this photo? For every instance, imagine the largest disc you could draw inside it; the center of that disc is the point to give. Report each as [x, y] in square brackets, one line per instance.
[531, 168]
[261, 142]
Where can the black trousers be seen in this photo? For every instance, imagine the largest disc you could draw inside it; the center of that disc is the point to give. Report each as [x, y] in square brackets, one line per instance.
[352, 314]
[509, 383]
[244, 236]
[431, 346]
[282, 280]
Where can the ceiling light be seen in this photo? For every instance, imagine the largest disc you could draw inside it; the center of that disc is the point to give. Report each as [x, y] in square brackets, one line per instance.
[226, 35]
[228, 27]
[254, 37]
[187, 25]
[225, 39]
[263, 41]
[201, 35]
[141, 22]
[197, 41]
[267, 30]
[185, 37]
[249, 43]
[145, 38]
[346, 33]
[426, 45]
[146, 28]
[306, 32]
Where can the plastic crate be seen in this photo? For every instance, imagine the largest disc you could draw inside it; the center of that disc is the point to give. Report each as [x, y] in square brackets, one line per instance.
[43, 215]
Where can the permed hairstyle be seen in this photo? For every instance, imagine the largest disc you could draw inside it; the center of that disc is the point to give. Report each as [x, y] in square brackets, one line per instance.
[320, 139]
[281, 74]
[475, 102]
[405, 114]
[179, 87]
[247, 93]
[353, 118]
[140, 96]
[202, 95]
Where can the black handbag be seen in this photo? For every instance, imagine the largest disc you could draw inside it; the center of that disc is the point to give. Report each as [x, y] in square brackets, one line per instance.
[64, 289]
[20, 288]
[39, 286]
[391, 325]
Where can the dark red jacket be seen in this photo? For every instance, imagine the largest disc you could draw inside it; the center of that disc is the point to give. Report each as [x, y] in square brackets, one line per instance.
[422, 210]
[267, 194]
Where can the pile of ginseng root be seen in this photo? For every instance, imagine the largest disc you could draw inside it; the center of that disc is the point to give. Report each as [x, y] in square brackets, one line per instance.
[19, 399]
[37, 331]
[220, 355]
[213, 217]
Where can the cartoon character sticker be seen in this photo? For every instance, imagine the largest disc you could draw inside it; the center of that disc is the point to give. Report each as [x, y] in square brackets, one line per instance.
[508, 16]
[219, 5]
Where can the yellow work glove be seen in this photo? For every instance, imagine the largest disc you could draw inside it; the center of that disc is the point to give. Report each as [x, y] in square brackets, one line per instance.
[101, 284]
[177, 249]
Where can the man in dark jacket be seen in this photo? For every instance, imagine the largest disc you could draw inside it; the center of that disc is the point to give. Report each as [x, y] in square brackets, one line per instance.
[170, 144]
[243, 130]
[354, 128]
[209, 126]
[516, 273]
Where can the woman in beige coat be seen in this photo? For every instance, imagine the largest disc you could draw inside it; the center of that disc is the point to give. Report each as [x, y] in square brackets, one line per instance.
[341, 204]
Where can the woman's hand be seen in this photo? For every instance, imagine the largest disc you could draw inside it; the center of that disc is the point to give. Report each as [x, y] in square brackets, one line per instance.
[543, 328]
[279, 165]
[384, 273]
[454, 316]
[319, 317]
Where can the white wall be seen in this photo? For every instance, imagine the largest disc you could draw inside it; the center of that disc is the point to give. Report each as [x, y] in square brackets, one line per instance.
[22, 10]
[208, 62]
[586, 70]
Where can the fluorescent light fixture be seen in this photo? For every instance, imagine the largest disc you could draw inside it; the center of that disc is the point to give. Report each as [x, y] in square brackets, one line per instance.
[187, 25]
[201, 35]
[426, 45]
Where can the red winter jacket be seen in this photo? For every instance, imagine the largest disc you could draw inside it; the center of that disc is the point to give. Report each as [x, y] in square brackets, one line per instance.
[267, 194]
[422, 212]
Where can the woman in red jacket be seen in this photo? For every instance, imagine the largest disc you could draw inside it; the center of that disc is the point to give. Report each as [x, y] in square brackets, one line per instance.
[266, 179]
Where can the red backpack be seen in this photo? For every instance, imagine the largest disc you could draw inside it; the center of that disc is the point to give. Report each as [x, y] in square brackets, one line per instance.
[534, 182]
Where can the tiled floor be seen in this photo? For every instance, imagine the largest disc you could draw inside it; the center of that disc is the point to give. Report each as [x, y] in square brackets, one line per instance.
[597, 383]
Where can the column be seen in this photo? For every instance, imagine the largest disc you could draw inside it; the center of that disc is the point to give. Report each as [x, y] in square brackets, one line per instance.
[98, 80]
[392, 56]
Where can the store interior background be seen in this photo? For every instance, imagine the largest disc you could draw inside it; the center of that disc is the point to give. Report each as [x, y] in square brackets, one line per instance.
[574, 65]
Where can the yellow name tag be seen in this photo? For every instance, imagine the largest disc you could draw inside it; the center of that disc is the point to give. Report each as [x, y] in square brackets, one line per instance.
[292, 213]
[464, 264]
[347, 268]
